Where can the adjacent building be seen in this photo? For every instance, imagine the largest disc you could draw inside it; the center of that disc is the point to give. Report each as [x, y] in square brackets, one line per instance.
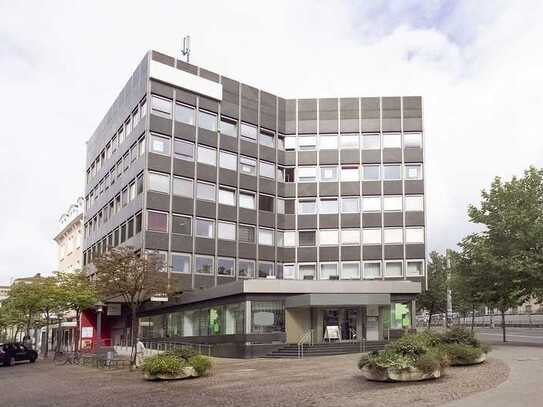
[69, 238]
[277, 218]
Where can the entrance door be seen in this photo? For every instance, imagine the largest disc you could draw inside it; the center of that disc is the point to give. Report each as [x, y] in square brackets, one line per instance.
[349, 325]
[331, 325]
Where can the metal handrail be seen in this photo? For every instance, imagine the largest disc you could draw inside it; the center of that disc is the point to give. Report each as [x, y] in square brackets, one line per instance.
[307, 335]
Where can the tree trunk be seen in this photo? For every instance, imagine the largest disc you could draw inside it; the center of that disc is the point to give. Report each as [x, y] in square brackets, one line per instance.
[472, 317]
[28, 323]
[133, 335]
[47, 320]
[59, 334]
[503, 325]
[77, 330]
[429, 320]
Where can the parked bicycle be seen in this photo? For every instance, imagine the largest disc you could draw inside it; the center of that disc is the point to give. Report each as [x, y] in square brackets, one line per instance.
[66, 358]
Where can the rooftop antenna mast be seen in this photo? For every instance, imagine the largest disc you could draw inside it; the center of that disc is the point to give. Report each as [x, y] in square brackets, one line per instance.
[186, 47]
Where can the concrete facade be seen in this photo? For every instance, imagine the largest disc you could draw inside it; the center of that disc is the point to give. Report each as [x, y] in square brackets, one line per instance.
[70, 238]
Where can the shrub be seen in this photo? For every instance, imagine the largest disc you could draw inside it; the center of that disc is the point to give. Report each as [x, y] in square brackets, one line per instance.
[386, 359]
[200, 363]
[461, 353]
[432, 360]
[460, 335]
[163, 364]
[184, 353]
[414, 345]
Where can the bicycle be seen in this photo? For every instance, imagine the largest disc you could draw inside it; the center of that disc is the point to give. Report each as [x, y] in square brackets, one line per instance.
[67, 358]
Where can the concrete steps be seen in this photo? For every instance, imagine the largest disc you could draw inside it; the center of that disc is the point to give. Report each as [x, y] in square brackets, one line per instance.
[325, 349]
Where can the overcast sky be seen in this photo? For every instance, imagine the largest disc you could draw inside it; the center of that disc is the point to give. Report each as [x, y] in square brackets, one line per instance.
[477, 64]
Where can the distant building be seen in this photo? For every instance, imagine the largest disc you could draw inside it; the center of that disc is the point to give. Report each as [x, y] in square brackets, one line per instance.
[4, 293]
[69, 238]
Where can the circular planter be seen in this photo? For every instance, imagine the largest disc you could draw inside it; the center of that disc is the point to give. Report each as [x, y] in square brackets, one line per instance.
[186, 373]
[411, 374]
[477, 361]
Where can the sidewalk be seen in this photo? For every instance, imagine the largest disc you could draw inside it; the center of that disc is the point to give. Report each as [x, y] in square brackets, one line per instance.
[522, 388]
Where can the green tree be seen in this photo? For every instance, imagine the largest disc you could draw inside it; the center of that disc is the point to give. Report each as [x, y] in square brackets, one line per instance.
[11, 319]
[434, 299]
[26, 298]
[53, 302]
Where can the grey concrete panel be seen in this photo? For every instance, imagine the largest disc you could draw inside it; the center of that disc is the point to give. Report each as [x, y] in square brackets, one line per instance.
[330, 253]
[328, 157]
[182, 205]
[371, 125]
[330, 221]
[372, 252]
[350, 188]
[371, 220]
[183, 96]
[289, 190]
[207, 137]
[267, 153]
[307, 189]
[412, 113]
[227, 212]
[281, 157]
[230, 102]
[209, 104]
[247, 216]
[328, 188]
[414, 218]
[185, 131]
[212, 76]
[225, 280]
[206, 172]
[351, 156]
[307, 254]
[266, 219]
[414, 187]
[229, 143]
[162, 58]
[392, 188]
[371, 188]
[307, 221]
[286, 221]
[247, 182]
[393, 219]
[350, 253]
[413, 155]
[290, 158]
[229, 109]
[161, 89]
[266, 253]
[157, 162]
[248, 148]
[412, 124]
[160, 125]
[205, 209]
[181, 281]
[414, 251]
[393, 252]
[156, 241]
[201, 281]
[204, 246]
[158, 201]
[267, 186]
[307, 158]
[228, 177]
[181, 243]
[350, 220]
[371, 113]
[392, 124]
[226, 248]
[249, 104]
[286, 254]
[349, 115]
[267, 110]
[281, 110]
[183, 168]
[185, 66]
[371, 156]
[290, 116]
[392, 155]
[247, 250]
[328, 115]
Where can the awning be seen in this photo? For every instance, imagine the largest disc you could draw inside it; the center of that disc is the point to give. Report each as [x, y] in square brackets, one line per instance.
[336, 300]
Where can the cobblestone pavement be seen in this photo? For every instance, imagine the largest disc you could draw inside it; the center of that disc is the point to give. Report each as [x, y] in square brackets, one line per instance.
[323, 381]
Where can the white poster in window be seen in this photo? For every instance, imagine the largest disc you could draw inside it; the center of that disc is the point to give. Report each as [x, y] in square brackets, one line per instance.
[86, 332]
[263, 318]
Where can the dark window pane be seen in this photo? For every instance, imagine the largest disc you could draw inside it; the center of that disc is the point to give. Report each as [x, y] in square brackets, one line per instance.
[181, 225]
[265, 203]
[157, 222]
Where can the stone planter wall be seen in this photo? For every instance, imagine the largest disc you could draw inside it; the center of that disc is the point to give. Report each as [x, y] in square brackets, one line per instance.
[399, 375]
[187, 373]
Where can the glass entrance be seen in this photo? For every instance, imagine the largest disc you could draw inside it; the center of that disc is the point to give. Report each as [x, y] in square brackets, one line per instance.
[340, 324]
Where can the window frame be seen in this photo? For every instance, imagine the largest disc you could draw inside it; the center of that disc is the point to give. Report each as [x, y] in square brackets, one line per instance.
[213, 226]
[365, 276]
[343, 263]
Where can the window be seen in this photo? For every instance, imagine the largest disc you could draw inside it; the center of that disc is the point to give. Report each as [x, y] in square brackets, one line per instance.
[226, 231]
[229, 127]
[205, 192]
[160, 145]
[306, 271]
[126, 161]
[350, 205]
[393, 236]
[307, 142]
[248, 131]
[183, 187]
[412, 140]
[184, 150]
[371, 172]
[265, 237]
[207, 155]
[204, 264]
[414, 268]
[413, 171]
[414, 203]
[280, 142]
[181, 225]
[350, 236]
[135, 117]
[280, 205]
[143, 108]
[288, 174]
[392, 172]
[328, 271]
[138, 223]
[307, 174]
[132, 191]
[328, 237]
[266, 138]
[392, 140]
[228, 160]
[290, 143]
[266, 169]
[289, 238]
[328, 206]
[371, 141]
[157, 221]
[371, 203]
[128, 126]
[392, 203]
[246, 268]
[307, 207]
[265, 203]
[307, 238]
[134, 153]
[328, 174]
[226, 267]
[161, 107]
[227, 197]
[247, 165]
[159, 183]
[289, 272]
[180, 263]
[414, 235]
[207, 120]
[205, 228]
[371, 236]
[393, 269]
[141, 146]
[372, 269]
[350, 271]
[328, 142]
[350, 173]
[350, 140]
[246, 234]
[247, 200]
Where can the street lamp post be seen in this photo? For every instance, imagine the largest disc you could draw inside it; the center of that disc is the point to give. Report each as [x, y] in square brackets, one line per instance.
[99, 310]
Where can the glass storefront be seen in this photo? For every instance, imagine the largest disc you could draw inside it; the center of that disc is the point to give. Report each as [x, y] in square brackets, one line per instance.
[267, 316]
[398, 316]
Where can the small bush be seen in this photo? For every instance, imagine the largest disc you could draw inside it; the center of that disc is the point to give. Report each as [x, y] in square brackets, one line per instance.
[200, 363]
[414, 345]
[432, 360]
[461, 353]
[460, 335]
[163, 364]
[185, 353]
[386, 359]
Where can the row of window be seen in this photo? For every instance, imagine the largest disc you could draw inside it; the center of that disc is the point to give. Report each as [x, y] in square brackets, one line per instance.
[138, 113]
[186, 187]
[203, 227]
[185, 150]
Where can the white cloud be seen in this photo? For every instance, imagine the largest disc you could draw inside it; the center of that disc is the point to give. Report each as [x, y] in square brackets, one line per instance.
[63, 63]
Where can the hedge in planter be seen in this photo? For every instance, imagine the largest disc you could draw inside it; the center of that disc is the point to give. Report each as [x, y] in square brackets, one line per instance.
[462, 347]
[178, 365]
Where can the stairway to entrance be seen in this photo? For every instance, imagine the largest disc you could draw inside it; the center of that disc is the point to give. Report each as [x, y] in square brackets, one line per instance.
[325, 349]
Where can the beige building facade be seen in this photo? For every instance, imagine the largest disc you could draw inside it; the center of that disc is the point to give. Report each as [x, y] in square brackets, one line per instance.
[69, 238]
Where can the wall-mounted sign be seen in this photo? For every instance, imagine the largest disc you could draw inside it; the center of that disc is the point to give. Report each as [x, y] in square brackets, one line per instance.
[86, 332]
[332, 332]
[263, 318]
[159, 299]
[372, 310]
[113, 310]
